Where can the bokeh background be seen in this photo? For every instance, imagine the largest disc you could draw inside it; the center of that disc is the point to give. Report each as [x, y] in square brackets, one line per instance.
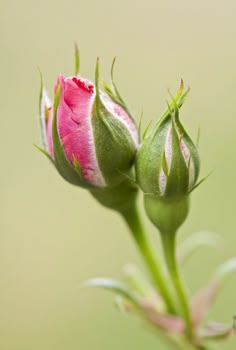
[54, 236]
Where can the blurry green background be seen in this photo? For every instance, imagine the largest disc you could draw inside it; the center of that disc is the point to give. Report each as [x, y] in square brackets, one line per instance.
[54, 236]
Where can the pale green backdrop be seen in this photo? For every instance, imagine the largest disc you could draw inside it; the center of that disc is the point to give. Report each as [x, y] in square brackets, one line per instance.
[54, 236]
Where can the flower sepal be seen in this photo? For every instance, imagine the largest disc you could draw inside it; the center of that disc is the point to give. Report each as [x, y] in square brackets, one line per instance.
[113, 91]
[115, 136]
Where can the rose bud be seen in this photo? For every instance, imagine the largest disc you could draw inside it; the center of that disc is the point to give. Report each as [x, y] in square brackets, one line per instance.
[167, 168]
[88, 133]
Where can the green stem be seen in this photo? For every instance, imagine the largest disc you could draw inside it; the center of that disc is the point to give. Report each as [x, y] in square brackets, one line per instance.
[134, 223]
[168, 240]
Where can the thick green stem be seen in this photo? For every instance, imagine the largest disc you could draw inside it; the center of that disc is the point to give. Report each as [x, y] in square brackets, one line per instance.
[168, 240]
[133, 221]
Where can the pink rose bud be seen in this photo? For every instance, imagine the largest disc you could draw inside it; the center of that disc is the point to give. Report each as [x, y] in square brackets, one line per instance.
[88, 133]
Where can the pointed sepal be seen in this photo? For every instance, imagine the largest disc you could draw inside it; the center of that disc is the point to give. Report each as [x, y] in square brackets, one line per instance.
[45, 153]
[115, 136]
[113, 91]
[43, 112]
[201, 181]
[77, 60]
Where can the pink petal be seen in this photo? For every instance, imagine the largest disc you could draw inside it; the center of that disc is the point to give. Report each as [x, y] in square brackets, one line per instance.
[168, 147]
[74, 126]
[49, 133]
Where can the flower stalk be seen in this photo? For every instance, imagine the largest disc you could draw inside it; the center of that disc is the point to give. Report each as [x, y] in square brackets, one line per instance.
[169, 247]
[132, 218]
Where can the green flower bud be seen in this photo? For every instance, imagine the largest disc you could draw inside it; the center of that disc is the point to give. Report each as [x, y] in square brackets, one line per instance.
[167, 168]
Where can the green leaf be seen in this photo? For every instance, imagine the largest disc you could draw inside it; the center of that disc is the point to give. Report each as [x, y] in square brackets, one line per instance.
[203, 300]
[114, 286]
[215, 331]
[197, 240]
[225, 270]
